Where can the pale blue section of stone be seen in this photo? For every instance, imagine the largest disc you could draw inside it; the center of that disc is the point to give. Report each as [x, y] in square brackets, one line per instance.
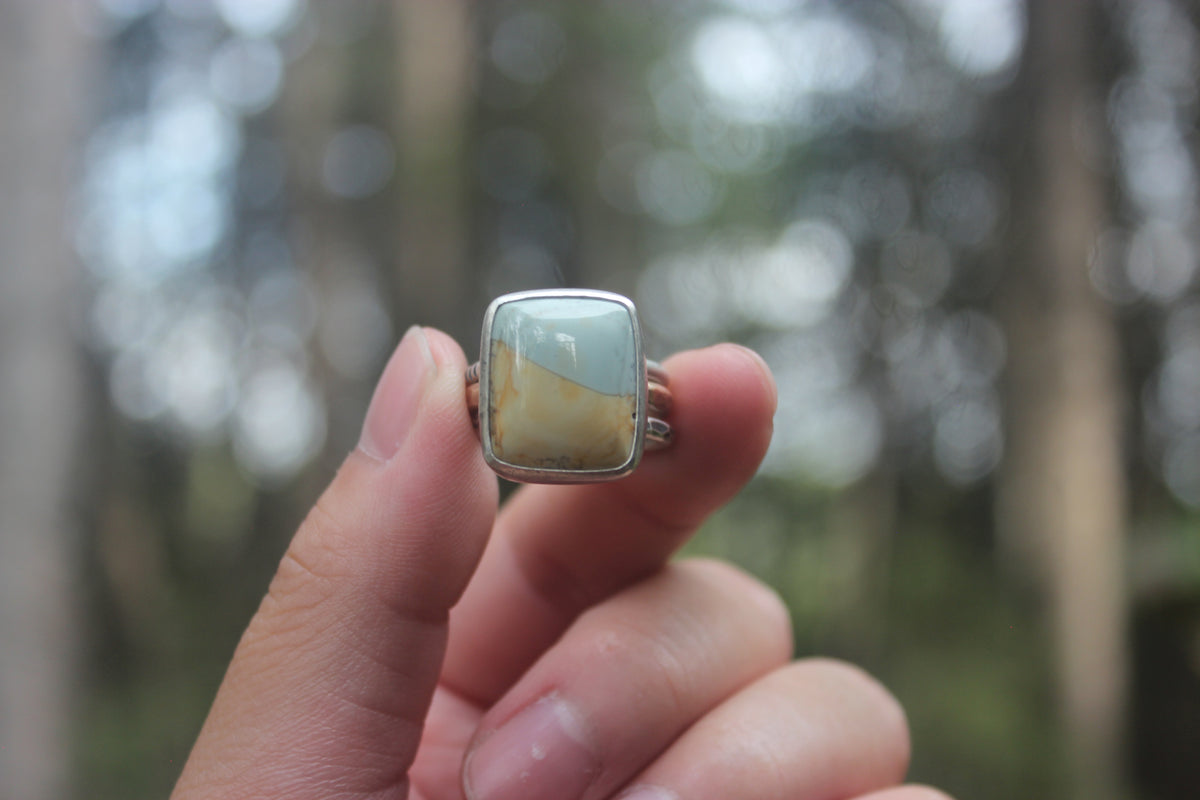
[585, 340]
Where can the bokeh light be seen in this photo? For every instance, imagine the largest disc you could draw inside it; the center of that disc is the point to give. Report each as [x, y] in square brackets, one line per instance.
[270, 192]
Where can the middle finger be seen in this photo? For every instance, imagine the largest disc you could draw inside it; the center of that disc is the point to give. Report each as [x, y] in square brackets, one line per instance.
[626, 679]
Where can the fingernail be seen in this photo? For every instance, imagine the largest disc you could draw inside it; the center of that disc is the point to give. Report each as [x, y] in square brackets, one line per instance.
[647, 793]
[540, 754]
[394, 404]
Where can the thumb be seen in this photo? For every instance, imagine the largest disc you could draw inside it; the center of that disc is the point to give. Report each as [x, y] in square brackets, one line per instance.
[329, 685]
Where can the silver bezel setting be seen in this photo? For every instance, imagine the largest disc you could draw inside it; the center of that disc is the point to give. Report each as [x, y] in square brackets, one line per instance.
[522, 474]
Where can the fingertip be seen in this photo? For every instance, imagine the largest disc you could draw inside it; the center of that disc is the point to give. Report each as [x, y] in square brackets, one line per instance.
[721, 419]
[726, 374]
[397, 397]
[446, 351]
[426, 361]
[912, 791]
[451, 430]
[770, 388]
[725, 399]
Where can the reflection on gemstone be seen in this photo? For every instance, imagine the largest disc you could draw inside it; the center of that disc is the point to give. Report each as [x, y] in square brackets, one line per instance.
[563, 380]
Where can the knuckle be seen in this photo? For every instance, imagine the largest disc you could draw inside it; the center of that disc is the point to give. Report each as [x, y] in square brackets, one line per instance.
[886, 716]
[623, 642]
[311, 565]
[746, 592]
[662, 674]
[921, 792]
[320, 543]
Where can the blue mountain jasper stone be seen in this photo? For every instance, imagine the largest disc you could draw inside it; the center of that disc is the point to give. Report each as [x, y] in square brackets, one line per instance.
[564, 382]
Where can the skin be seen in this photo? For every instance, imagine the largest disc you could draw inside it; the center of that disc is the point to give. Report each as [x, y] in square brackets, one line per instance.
[416, 644]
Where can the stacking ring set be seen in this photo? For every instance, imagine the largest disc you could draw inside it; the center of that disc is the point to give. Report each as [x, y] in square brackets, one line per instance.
[562, 391]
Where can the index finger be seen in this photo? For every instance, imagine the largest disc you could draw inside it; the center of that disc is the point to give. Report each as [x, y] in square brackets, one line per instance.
[557, 550]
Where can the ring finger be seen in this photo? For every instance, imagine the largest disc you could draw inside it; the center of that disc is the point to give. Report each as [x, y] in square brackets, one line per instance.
[625, 680]
[813, 730]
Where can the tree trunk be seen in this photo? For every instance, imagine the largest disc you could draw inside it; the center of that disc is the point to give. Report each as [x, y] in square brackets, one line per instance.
[42, 55]
[1061, 501]
[435, 53]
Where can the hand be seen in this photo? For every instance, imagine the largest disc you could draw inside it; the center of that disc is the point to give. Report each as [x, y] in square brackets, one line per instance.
[576, 662]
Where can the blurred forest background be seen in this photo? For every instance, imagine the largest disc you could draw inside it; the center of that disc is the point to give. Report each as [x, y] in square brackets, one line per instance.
[964, 233]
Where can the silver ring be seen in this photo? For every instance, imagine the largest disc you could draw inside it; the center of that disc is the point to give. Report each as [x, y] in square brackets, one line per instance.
[562, 391]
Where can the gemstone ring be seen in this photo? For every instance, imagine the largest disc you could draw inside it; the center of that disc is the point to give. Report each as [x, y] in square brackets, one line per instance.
[562, 392]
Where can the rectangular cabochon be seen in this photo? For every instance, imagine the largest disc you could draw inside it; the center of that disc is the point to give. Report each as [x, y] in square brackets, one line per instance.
[564, 378]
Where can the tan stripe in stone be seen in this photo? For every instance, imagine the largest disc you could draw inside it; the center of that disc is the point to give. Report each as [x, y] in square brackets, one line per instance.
[542, 420]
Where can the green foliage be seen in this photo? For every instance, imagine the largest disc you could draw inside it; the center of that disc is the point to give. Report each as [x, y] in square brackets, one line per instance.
[923, 607]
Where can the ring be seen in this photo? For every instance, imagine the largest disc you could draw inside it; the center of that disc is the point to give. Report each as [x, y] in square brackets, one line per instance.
[562, 392]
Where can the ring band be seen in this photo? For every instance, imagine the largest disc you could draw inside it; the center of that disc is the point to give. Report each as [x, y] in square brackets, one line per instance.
[562, 392]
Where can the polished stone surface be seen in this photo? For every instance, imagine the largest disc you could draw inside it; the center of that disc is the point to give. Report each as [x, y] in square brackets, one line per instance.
[563, 387]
